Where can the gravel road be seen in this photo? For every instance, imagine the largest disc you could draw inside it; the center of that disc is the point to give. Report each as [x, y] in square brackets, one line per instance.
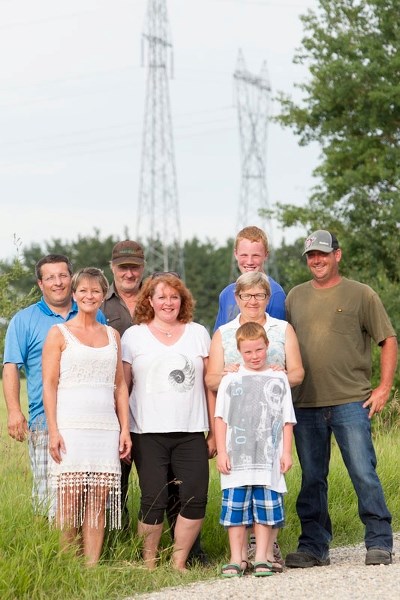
[346, 578]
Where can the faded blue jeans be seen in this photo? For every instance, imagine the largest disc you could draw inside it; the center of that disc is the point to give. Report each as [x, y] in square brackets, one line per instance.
[352, 429]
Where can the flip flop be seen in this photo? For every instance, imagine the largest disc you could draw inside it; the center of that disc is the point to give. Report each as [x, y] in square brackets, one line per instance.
[234, 568]
[262, 569]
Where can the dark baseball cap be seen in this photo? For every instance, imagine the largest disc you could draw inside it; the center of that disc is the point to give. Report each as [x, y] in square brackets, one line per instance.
[321, 240]
[127, 253]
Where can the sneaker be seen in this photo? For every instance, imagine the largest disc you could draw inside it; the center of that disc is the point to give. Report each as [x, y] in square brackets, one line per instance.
[302, 560]
[377, 556]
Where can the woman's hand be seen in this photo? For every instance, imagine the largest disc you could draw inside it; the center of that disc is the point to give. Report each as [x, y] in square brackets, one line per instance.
[56, 446]
[125, 446]
[231, 368]
[277, 368]
[211, 445]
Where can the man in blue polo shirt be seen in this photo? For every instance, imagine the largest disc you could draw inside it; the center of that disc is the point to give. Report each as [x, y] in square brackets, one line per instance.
[24, 341]
[251, 251]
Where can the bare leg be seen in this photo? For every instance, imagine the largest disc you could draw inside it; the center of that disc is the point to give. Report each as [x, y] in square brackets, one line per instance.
[93, 538]
[274, 536]
[264, 542]
[151, 535]
[238, 544]
[186, 531]
[71, 538]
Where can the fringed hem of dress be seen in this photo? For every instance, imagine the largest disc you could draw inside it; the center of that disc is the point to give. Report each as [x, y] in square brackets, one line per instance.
[87, 495]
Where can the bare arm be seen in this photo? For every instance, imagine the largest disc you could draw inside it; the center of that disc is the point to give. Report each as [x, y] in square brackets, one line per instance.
[294, 364]
[16, 422]
[122, 405]
[223, 463]
[51, 357]
[286, 458]
[380, 394]
[127, 370]
[211, 397]
[215, 370]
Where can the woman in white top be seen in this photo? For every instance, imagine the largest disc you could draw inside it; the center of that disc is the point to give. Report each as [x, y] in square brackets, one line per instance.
[165, 358]
[86, 402]
[252, 293]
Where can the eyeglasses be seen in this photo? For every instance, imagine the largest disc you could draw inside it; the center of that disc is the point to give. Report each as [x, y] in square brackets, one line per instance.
[53, 278]
[259, 296]
[161, 273]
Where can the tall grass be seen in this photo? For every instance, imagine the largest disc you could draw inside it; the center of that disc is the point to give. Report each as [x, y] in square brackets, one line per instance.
[32, 566]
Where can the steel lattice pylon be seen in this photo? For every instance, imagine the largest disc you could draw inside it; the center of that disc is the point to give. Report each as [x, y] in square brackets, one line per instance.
[252, 99]
[158, 221]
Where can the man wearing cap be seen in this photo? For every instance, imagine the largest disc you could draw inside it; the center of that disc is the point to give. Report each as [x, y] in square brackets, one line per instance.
[127, 266]
[335, 319]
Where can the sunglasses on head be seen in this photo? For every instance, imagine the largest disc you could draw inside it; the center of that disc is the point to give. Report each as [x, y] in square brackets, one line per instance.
[161, 273]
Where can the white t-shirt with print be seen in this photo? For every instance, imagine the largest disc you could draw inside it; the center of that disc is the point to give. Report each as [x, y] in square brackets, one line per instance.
[168, 392]
[255, 405]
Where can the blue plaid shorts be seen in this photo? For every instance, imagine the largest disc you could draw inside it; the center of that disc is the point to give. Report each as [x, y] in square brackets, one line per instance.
[251, 504]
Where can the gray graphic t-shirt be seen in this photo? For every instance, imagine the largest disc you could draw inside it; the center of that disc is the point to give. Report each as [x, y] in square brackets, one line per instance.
[255, 405]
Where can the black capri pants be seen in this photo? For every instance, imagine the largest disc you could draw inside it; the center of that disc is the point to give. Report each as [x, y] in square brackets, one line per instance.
[187, 455]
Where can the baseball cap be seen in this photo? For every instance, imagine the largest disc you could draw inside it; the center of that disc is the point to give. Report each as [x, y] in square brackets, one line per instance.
[127, 253]
[321, 240]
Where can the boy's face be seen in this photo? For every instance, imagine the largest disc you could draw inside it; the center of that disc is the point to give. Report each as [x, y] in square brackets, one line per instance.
[254, 354]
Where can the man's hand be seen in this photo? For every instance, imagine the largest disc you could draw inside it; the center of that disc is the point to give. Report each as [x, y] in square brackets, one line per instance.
[376, 402]
[17, 426]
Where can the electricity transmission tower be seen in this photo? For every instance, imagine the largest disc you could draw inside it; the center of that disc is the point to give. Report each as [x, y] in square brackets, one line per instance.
[158, 219]
[252, 99]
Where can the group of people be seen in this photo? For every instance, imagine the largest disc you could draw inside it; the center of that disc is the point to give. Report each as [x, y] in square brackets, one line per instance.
[121, 374]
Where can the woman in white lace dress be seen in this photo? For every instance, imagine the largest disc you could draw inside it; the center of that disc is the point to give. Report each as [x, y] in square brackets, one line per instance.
[86, 403]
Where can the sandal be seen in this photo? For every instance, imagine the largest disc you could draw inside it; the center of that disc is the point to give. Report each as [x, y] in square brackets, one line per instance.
[231, 570]
[248, 567]
[262, 569]
[276, 567]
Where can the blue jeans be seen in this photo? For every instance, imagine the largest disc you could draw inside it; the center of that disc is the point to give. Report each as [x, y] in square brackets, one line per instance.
[352, 429]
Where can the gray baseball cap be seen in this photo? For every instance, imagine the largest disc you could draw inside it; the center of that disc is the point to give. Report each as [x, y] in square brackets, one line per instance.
[321, 240]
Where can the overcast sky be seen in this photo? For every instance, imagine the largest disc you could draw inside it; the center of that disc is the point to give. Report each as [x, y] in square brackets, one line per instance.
[72, 94]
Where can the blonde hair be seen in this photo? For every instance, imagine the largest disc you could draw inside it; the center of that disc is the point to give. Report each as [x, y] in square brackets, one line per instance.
[90, 273]
[250, 331]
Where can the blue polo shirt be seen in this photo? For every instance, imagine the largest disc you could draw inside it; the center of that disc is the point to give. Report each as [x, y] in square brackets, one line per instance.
[23, 347]
[228, 308]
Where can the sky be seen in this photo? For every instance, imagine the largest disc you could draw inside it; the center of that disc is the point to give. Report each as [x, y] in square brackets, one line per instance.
[72, 97]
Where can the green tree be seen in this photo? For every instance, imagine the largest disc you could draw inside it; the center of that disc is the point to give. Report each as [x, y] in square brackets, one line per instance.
[10, 299]
[207, 269]
[350, 106]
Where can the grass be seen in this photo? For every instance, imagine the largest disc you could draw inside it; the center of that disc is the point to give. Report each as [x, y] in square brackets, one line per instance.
[32, 566]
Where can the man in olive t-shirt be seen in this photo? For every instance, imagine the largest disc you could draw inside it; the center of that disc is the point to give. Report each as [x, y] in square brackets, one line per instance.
[335, 320]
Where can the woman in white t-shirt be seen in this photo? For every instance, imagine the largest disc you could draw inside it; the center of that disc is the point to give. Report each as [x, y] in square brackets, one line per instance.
[165, 358]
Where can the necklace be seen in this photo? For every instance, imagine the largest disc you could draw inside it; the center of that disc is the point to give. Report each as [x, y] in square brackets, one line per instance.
[167, 333]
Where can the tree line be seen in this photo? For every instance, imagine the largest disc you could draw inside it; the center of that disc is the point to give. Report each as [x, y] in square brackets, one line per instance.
[349, 105]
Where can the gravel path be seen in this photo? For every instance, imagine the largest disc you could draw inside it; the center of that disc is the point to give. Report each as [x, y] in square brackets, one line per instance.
[346, 578]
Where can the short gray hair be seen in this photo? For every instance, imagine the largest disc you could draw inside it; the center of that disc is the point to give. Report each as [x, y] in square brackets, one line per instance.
[252, 279]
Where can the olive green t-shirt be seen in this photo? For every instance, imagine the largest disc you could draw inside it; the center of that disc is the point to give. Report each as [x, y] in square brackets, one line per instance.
[334, 327]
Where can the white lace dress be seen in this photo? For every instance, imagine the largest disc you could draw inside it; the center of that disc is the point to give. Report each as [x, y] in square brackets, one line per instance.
[88, 477]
